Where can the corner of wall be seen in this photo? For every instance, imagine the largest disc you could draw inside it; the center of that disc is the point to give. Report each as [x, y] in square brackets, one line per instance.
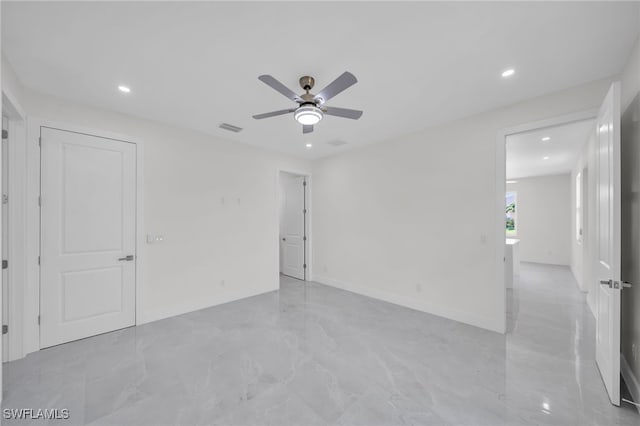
[11, 85]
[630, 380]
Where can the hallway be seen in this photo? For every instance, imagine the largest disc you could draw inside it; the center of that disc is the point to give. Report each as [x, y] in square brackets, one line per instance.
[552, 377]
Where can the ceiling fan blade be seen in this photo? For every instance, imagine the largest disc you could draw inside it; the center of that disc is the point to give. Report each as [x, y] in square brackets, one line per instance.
[307, 128]
[353, 114]
[273, 113]
[275, 84]
[338, 85]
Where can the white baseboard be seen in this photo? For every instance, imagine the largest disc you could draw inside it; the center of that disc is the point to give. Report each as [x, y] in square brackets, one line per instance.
[419, 305]
[630, 379]
[181, 310]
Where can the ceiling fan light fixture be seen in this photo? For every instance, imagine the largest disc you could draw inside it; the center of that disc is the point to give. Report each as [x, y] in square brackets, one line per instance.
[308, 115]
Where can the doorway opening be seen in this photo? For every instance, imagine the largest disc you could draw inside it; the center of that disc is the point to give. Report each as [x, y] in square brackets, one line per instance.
[545, 208]
[590, 226]
[293, 225]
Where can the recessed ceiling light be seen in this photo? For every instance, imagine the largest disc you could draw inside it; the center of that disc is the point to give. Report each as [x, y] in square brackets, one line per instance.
[512, 181]
[546, 139]
[508, 73]
[545, 158]
[124, 89]
[309, 145]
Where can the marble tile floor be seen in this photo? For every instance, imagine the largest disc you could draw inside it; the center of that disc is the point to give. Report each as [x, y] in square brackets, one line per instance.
[314, 355]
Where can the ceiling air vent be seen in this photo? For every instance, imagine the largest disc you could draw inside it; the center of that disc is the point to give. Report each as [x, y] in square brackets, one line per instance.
[336, 143]
[230, 127]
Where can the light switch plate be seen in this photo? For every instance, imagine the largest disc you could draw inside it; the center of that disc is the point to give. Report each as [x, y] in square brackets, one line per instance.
[154, 239]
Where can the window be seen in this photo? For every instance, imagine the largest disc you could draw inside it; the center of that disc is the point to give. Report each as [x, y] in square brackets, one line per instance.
[511, 214]
[579, 207]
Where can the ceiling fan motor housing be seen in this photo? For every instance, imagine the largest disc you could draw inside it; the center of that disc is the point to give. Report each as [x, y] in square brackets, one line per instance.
[307, 82]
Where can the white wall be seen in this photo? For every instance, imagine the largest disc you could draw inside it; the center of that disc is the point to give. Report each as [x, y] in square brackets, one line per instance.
[412, 220]
[214, 201]
[630, 78]
[544, 218]
[582, 252]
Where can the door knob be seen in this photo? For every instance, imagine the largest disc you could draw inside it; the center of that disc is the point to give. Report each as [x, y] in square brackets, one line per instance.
[607, 283]
[127, 258]
[284, 239]
[615, 284]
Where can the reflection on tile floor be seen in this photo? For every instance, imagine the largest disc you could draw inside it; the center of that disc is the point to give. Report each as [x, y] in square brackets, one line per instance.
[314, 355]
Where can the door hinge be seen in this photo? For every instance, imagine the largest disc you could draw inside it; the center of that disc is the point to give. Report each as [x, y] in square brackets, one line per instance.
[38, 319]
[5, 198]
[38, 260]
[304, 266]
[5, 328]
[40, 141]
[39, 200]
[304, 238]
[5, 264]
[5, 134]
[304, 183]
[304, 211]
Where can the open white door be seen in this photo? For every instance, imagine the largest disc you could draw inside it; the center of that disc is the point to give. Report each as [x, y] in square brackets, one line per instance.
[292, 226]
[88, 222]
[607, 259]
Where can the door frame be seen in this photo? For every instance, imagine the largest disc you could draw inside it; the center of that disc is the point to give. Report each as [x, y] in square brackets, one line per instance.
[501, 173]
[31, 329]
[15, 212]
[308, 222]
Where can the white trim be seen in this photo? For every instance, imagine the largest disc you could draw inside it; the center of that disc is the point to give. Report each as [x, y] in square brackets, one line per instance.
[309, 207]
[418, 305]
[630, 380]
[32, 284]
[500, 178]
[16, 235]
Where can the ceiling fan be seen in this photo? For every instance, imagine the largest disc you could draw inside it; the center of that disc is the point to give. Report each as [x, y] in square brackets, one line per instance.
[311, 108]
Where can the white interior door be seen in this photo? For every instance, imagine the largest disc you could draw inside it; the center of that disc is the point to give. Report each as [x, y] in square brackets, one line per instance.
[607, 262]
[292, 227]
[88, 219]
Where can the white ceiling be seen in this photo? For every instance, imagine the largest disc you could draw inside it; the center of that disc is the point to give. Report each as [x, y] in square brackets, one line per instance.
[196, 64]
[526, 151]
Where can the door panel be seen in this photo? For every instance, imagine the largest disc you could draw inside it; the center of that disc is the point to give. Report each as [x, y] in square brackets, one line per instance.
[88, 191]
[92, 199]
[292, 226]
[607, 263]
